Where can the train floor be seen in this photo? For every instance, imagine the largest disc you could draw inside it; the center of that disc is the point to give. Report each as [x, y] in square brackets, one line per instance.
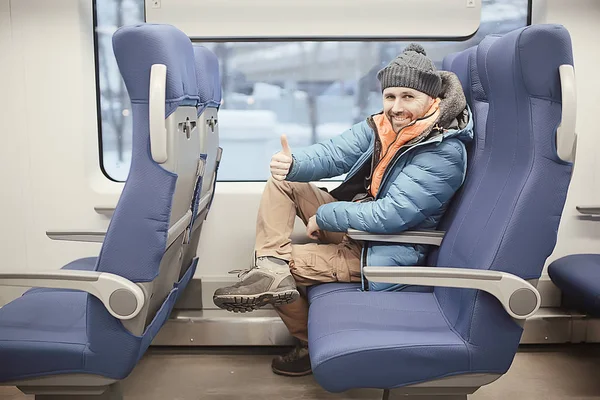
[538, 372]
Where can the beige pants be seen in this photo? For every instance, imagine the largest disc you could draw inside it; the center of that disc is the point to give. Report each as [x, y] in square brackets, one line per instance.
[336, 258]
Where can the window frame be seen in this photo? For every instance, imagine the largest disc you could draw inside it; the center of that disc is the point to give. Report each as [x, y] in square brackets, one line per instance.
[212, 40]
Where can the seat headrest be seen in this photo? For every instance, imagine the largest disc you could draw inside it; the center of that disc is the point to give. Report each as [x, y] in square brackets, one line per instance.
[525, 53]
[479, 56]
[207, 77]
[138, 47]
[480, 68]
[448, 60]
[477, 92]
[540, 80]
[459, 64]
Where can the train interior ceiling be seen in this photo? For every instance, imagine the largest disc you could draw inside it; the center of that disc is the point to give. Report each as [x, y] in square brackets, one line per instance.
[138, 137]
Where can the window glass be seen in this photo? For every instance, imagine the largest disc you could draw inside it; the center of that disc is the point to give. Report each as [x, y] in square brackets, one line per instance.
[114, 104]
[310, 91]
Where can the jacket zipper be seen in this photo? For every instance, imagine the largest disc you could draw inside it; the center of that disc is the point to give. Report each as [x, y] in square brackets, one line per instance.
[377, 149]
[377, 145]
[400, 154]
[379, 157]
[365, 250]
[367, 245]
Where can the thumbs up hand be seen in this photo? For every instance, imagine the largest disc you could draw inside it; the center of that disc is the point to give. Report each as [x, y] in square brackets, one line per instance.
[281, 161]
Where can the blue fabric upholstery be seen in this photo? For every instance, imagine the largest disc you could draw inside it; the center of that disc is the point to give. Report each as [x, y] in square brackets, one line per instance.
[82, 264]
[578, 277]
[477, 98]
[208, 78]
[47, 332]
[316, 291]
[50, 332]
[381, 340]
[137, 234]
[448, 60]
[504, 219]
[138, 47]
[42, 331]
[459, 64]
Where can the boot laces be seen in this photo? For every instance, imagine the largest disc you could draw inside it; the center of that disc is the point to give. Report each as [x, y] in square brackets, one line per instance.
[243, 272]
[293, 355]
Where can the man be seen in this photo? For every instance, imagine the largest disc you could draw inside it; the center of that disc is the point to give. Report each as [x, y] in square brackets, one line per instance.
[403, 166]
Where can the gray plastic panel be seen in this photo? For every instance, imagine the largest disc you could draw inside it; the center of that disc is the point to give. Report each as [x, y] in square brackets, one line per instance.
[589, 210]
[433, 238]
[222, 328]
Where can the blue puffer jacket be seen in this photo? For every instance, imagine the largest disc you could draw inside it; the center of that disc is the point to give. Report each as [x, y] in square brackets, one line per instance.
[415, 190]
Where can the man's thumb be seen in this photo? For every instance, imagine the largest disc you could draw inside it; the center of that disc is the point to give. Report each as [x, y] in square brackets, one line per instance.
[285, 146]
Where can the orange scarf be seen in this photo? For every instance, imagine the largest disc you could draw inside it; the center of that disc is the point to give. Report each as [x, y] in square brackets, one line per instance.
[392, 142]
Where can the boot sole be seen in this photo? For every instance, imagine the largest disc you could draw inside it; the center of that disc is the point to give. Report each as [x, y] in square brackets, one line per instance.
[247, 303]
[285, 373]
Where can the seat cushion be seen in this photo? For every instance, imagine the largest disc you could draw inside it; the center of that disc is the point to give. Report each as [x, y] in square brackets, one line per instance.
[317, 291]
[82, 264]
[46, 333]
[42, 333]
[381, 340]
[578, 277]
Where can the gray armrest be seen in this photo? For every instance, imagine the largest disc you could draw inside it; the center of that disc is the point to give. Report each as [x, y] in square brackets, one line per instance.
[109, 210]
[589, 210]
[77, 235]
[89, 236]
[121, 297]
[410, 237]
[98, 236]
[105, 210]
[518, 297]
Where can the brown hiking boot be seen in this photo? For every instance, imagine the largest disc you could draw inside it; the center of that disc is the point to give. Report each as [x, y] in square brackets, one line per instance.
[294, 363]
[269, 281]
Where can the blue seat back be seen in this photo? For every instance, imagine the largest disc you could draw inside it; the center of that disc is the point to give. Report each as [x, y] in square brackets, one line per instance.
[144, 239]
[448, 60]
[511, 202]
[459, 64]
[464, 65]
[209, 90]
[208, 78]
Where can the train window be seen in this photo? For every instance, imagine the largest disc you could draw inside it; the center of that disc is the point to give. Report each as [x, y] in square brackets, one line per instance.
[114, 106]
[309, 90]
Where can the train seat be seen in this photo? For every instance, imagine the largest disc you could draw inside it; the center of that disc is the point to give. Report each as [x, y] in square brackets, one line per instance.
[95, 318]
[498, 233]
[578, 278]
[209, 92]
[317, 291]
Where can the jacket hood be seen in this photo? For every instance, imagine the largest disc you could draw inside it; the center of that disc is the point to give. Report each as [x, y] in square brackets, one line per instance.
[455, 116]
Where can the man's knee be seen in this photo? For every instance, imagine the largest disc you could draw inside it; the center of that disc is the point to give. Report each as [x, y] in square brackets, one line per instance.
[279, 186]
[285, 184]
[293, 190]
[277, 182]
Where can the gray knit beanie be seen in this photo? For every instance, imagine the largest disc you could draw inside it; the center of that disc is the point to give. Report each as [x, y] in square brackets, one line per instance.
[412, 69]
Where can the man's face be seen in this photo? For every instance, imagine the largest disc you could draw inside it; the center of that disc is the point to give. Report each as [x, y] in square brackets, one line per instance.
[404, 105]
